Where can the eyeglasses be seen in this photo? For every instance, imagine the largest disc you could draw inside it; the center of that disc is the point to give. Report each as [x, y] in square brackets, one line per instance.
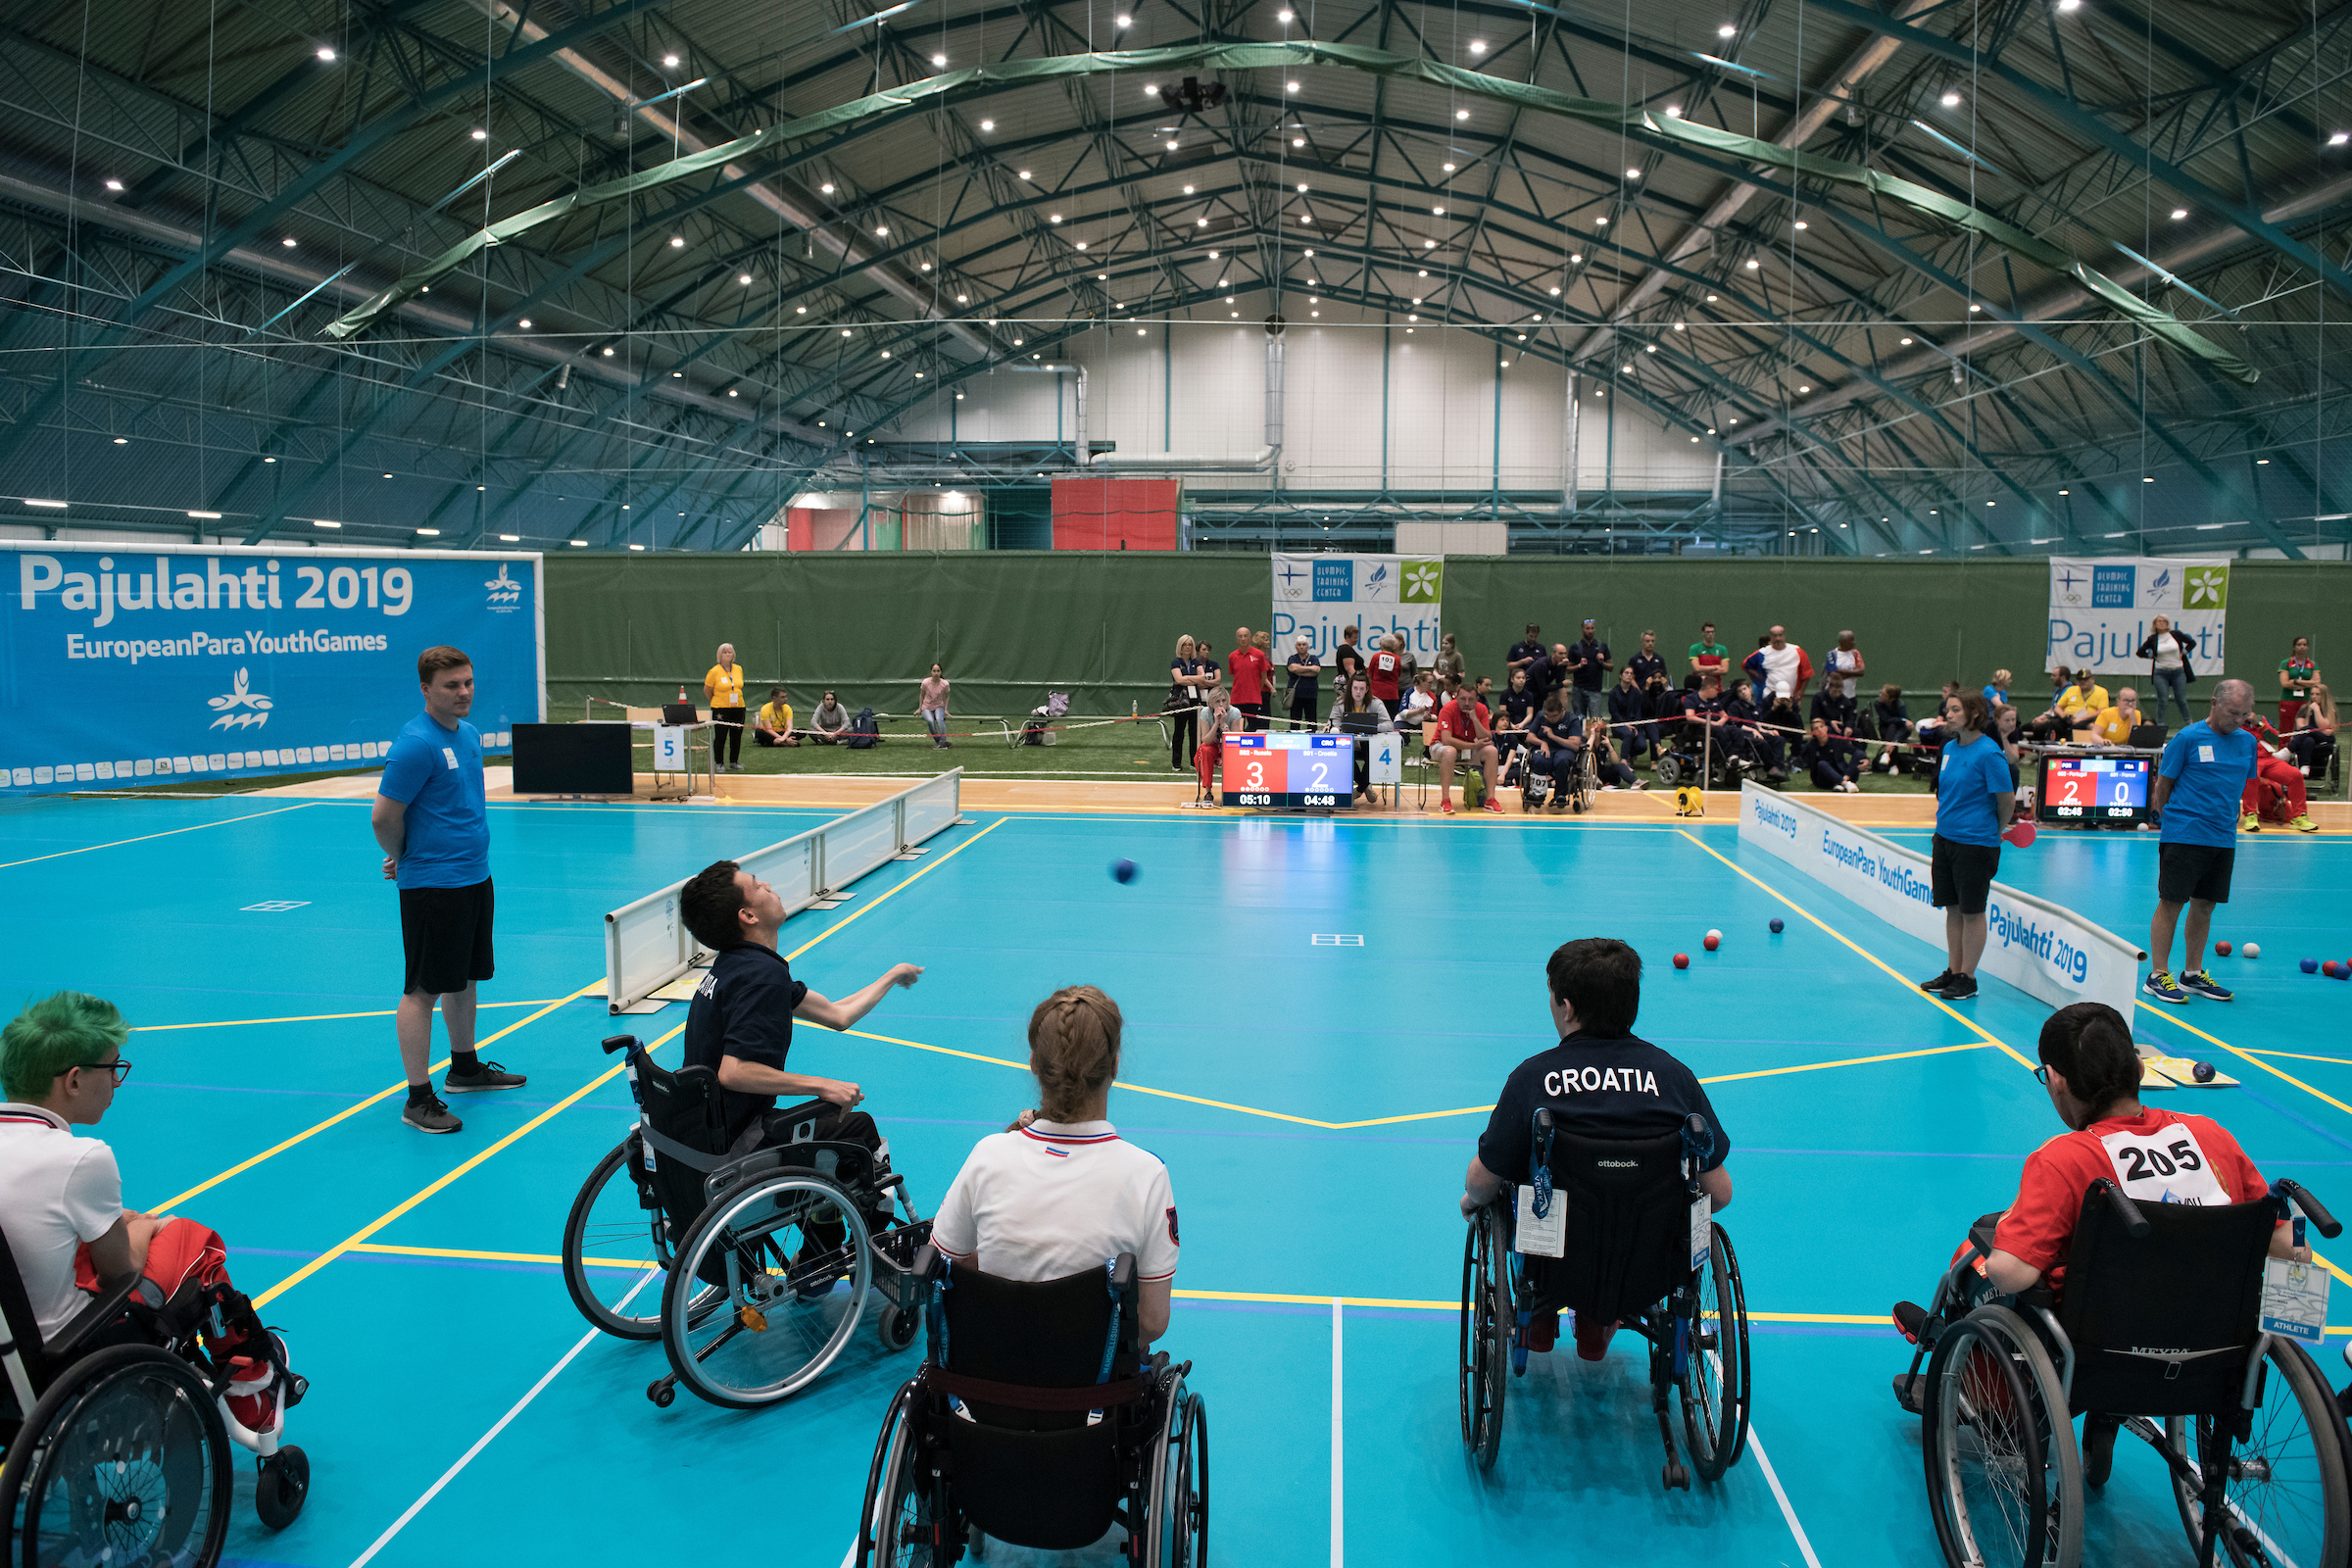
[119, 1067]
[2041, 1075]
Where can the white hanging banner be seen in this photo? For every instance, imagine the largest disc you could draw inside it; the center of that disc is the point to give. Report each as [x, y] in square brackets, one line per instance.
[2042, 949]
[2100, 607]
[1322, 596]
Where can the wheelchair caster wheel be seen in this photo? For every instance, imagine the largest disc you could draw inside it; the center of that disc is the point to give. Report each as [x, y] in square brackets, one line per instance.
[898, 1329]
[283, 1486]
[661, 1390]
[1677, 1476]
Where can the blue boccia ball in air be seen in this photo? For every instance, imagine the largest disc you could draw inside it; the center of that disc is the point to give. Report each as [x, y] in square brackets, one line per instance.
[1122, 870]
[1776, 925]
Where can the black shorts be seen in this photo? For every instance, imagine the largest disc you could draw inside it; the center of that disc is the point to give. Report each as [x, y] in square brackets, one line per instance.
[1962, 874]
[2199, 871]
[445, 934]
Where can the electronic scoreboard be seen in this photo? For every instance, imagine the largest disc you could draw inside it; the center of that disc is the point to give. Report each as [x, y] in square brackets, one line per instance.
[2084, 791]
[1291, 771]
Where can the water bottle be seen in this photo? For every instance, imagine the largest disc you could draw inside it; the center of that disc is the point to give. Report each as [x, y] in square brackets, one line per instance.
[1133, 711]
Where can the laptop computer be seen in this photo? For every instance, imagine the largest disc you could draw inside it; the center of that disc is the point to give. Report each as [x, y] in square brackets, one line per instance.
[2146, 736]
[680, 713]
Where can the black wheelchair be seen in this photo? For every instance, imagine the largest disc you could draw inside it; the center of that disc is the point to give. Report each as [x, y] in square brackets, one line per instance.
[119, 1453]
[1036, 1421]
[1630, 1253]
[2159, 1334]
[1685, 751]
[765, 1258]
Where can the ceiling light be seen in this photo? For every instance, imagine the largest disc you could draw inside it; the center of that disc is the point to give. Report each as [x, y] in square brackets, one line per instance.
[677, 242]
[524, 322]
[1428, 244]
[2179, 213]
[1973, 308]
[1674, 111]
[2066, 492]
[1082, 244]
[1294, 86]
[961, 298]
[577, 544]
[987, 124]
[50, 505]
[633, 547]
[1212, 256]
[1285, 17]
[1203, 223]
[939, 62]
[1478, 46]
[1726, 31]
[1461, 114]
[2339, 138]
[2262, 463]
[1555, 289]
[268, 460]
[1951, 100]
[1123, 20]
[1301, 190]
[287, 242]
[1575, 256]
[1139, 332]
[1754, 264]
[1711, 299]
[509, 538]
[122, 441]
[1906, 342]
[886, 354]
[321, 523]
[1803, 389]
[2069, 5]
[1171, 144]
[2149, 480]
[114, 184]
[1635, 173]
[827, 186]
[1601, 223]
[480, 134]
[215, 516]
[326, 54]
[671, 61]
[1297, 141]
[1801, 224]
[1188, 190]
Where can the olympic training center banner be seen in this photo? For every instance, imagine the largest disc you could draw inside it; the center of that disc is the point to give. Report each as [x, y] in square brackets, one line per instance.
[126, 665]
[1322, 596]
[2042, 950]
[2100, 607]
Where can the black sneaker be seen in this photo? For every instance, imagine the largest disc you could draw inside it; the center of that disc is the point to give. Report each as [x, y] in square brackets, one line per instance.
[1936, 986]
[431, 1116]
[1959, 988]
[486, 1075]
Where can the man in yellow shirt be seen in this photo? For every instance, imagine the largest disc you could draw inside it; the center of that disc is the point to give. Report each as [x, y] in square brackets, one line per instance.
[2114, 726]
[773, 726]
[2076, 706]
[723, 685]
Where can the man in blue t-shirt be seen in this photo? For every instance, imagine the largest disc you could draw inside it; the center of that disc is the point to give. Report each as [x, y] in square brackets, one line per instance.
[1600, 1082]
[431, 822]
[1975, 796]
[2198, 785]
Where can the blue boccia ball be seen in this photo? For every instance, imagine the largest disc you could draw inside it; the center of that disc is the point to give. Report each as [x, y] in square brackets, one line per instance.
[1776, 925]
[1122, 870]
[2311, 967]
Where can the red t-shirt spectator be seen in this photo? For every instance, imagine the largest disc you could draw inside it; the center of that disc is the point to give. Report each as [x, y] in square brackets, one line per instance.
[1455, 724]
[1246, 668]
[2156, 1157]
[1382, 671]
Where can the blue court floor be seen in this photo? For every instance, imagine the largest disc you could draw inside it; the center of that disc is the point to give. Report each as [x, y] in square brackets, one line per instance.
[1316, 1104]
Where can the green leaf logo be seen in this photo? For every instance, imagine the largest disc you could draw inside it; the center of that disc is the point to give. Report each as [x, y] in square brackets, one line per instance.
[2205, 588]
[1423, 582]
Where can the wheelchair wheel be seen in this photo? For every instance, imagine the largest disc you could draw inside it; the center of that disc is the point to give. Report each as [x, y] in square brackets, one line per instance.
[1715, 1378]
[897, 1327]
[1488, 1317]
[789, 1251]
[1667, 770]
[123, 1460]
[895, 1528]
[1178, 1513]
[2004, 1481]
[611, 1245]
[282, 1487]
[2286, 1495]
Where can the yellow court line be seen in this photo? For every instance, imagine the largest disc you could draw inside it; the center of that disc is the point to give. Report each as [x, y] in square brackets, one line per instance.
[2294, 1056]
[226, 822]
[429, 1189]
[327, 1018]
[2275, 1072]
[164, 1208]
[2333, 1269]
[1880, 963]
[890, 893]
[1850, 1062]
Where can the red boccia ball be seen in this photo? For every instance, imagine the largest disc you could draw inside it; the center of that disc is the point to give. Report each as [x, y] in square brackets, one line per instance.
[1682, 961]
[2222, 948]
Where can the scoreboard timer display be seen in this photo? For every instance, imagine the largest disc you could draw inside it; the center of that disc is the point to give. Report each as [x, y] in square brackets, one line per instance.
[1289, 772]
[2094, 789]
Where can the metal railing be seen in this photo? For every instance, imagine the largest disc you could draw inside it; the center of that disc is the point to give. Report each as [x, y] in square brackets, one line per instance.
[647, 945]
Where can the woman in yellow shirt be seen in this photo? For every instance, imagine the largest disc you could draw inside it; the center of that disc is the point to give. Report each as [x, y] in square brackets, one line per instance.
[2115, 724]
[723, 685]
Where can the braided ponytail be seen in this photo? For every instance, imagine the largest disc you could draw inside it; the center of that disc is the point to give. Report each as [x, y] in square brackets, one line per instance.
[2089, 1044]
[1073, 1050]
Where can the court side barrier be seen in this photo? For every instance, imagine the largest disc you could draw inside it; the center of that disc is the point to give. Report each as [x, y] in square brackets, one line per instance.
[2038, 947]
[647, 945]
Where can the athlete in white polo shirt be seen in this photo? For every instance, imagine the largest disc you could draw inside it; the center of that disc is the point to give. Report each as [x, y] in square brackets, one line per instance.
[1060, 1192]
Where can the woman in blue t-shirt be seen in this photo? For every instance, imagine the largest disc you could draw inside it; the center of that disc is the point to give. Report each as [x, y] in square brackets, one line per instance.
[1975, 795]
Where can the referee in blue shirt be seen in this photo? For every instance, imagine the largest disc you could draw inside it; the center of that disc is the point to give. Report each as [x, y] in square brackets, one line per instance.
[1974, 798]
[2198, 785]
[432, 823]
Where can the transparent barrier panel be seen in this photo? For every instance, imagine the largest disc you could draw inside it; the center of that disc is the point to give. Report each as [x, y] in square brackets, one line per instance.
[858, 843]
[931, 807]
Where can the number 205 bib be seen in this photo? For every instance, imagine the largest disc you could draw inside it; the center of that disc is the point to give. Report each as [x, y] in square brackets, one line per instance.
[2165, 1167]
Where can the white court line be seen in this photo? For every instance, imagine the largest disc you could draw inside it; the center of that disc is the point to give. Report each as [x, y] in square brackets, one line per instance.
[483, 1442]
[1339, 1465]
[1772, 1480]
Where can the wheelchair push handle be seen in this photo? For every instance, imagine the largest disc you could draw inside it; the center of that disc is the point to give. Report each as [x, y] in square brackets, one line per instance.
[2291, 1191]
[615, 1043]
[2135, 1222]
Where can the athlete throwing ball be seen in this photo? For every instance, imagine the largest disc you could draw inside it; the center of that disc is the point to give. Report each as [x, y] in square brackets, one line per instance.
[432, 823]
[2205, 770]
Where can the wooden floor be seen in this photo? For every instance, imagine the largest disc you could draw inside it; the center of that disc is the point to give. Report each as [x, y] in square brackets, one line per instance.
[1151, 797]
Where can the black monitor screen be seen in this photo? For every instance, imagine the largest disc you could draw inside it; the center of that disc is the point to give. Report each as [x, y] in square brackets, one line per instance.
[573, 759]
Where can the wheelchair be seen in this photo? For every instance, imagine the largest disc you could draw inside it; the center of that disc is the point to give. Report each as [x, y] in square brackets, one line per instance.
[119, 1453]
[1630, 1253]
[764, 1259]
[1034, 1421]
[2160, 1329]
[1686, 753]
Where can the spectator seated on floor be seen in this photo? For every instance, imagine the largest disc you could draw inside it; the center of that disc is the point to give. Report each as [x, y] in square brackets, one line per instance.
[830, 722]
[1833, 760]
[772, 724]
[1892, 721]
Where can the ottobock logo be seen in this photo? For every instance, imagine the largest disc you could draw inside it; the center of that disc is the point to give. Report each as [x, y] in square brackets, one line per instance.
[504, 592]
[241, 707]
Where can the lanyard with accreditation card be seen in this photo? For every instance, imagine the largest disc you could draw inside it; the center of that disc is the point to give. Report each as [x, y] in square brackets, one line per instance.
[2294, 1296]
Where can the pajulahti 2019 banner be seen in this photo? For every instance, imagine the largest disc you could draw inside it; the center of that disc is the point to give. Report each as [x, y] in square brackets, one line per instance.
[1322, 596]
[133, 663]
[2100, 607]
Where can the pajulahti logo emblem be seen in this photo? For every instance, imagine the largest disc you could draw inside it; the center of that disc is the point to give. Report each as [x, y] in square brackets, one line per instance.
[255, 708]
